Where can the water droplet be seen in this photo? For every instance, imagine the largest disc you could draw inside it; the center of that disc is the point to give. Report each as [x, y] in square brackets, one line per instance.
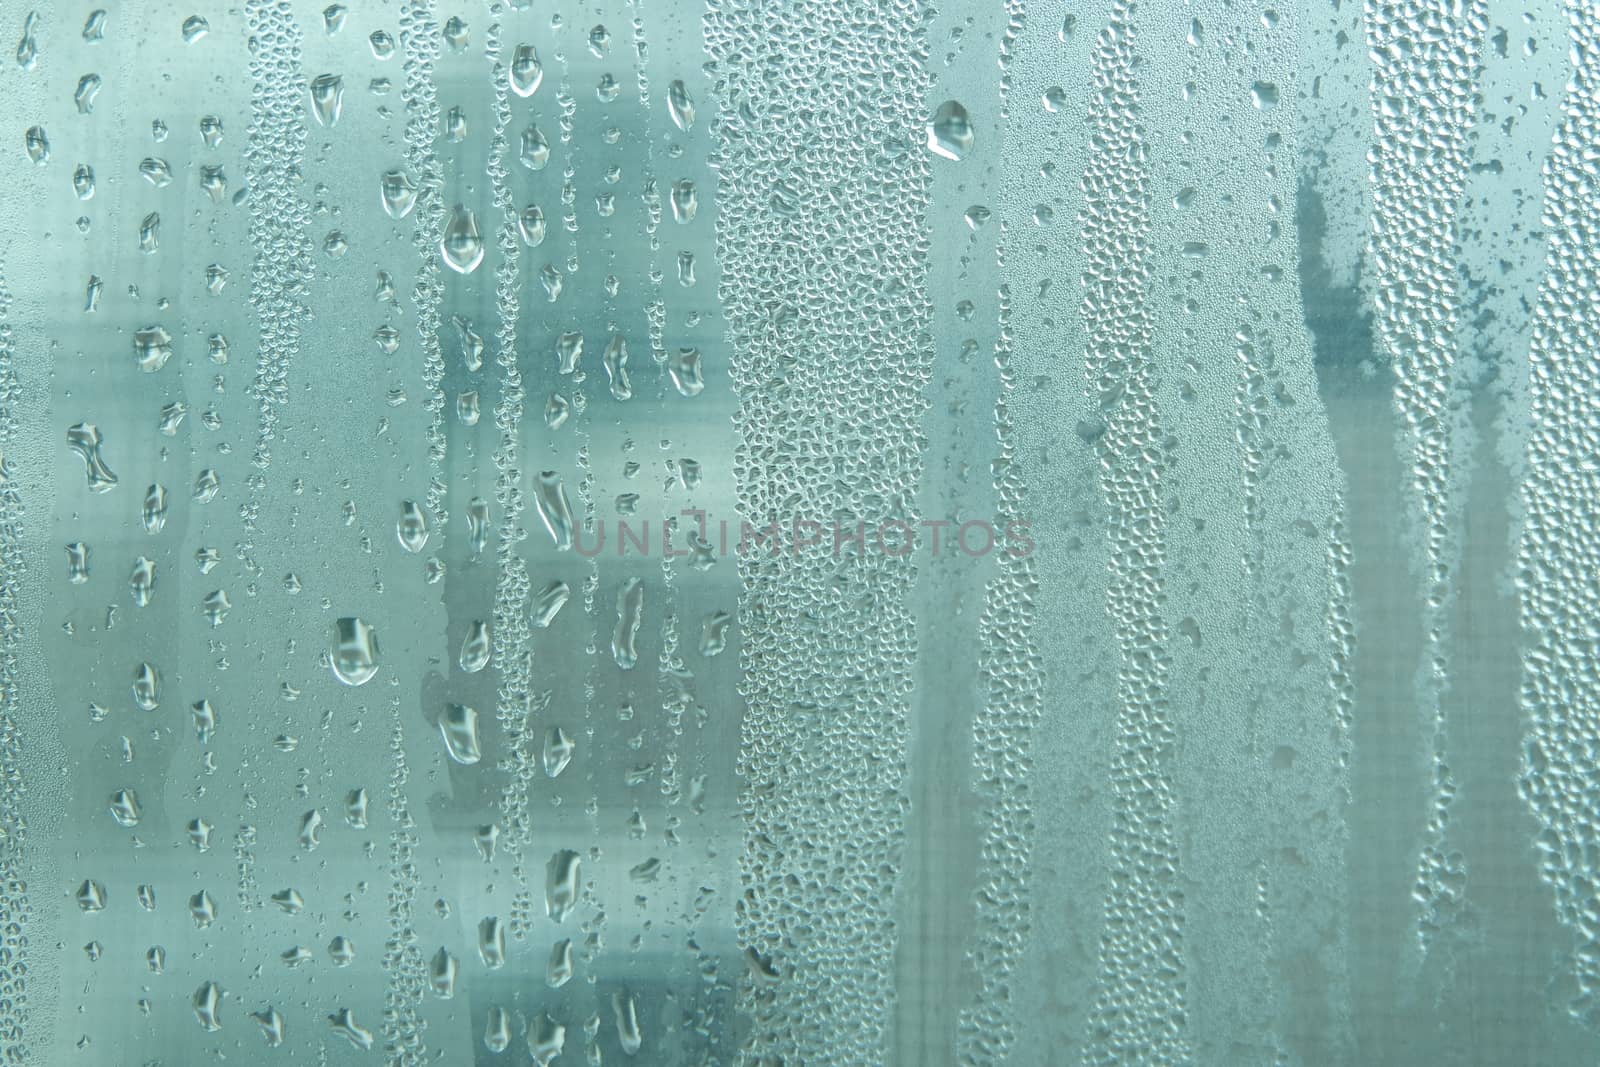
[85, 440]
[142, 584]
[271, 1025]
[77, 563]
[630, 612]
[546, 1039]
[558, 750]
[492, 942]
[124, 807]
[355, 651]
[685, 202]
[91, 896]
[684, 370]
[154, 512]
[559, 970]
[83, 181]
[950, 131]
[477, 525]
[206, 486]
[398, 193]
[555, 511]
[556, 410]
[462, 244]
[1264, 95]
[194, 28]
[146, 687]
[327, 98]
[455, 33]
[561, 884]
[714, 633]
[496, 1029]
[355, 809]
[214, 183]
[88, 88]
[310, 835]
[150, 234]
[207, 1005]
[549, 602]
[530, 224]
[475, 647]
[551, 279]
[526, 72]
[1055, 98]
[569, 349]
[455, 125]
[680, 106]
[28, 46]
[202, 909]
[442, 974]
[343, 1022]
[333, 17]
[458, 725]
[382, 44]
[37, 144]
[412, 529]
[627, 1015]
[535, 150]
[205, 720]
[615, 361]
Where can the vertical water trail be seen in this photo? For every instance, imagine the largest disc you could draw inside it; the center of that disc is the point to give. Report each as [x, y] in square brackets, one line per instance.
[1559, 558]
[1139, 1000]
[1011, 674]
[1426, 63]
[828, 326]
[1249, 492]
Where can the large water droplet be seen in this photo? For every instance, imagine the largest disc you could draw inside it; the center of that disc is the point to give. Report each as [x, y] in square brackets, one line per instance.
[950, 131]
[475, 648]
[630, 611]
[680, 106]
[550, 497]
[327, 98]
[458, 725]
[561, 884]
[462, 244]
[398, 193]
[526, 72]
[355, 651]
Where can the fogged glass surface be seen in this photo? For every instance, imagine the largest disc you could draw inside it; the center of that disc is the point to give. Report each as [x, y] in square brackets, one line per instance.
[821, 533]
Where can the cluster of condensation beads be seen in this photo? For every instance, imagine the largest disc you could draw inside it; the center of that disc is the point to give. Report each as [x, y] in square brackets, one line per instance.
[1011, 665]
[278, 213]
[420, 34]
[1425, 65]
[1138, 1011]
[13, 890]
[831, 349]
[1559, 565]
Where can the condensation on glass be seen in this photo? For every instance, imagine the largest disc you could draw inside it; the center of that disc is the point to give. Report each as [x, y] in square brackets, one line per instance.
[834, 533]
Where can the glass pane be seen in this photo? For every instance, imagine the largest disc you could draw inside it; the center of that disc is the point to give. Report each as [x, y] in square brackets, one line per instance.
[827, 533]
